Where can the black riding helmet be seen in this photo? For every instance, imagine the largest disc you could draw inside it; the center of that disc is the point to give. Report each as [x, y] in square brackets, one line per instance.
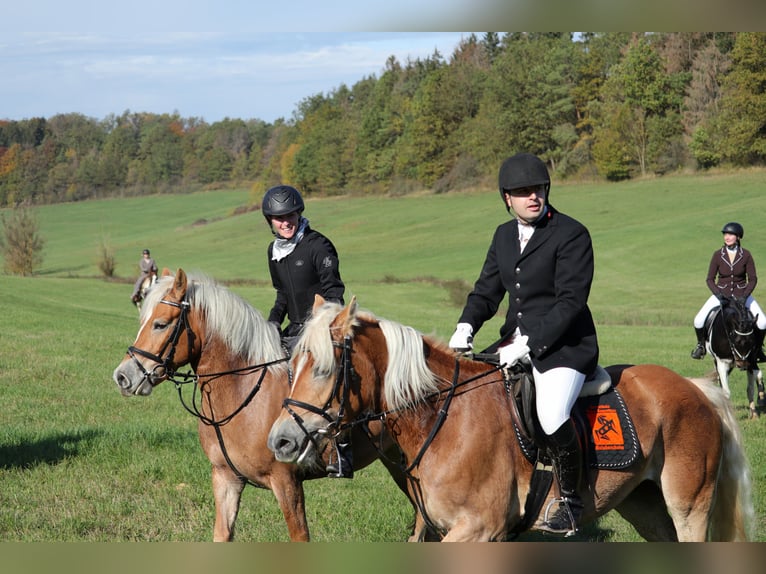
[734, 228]
[523, 170]
[281, 200]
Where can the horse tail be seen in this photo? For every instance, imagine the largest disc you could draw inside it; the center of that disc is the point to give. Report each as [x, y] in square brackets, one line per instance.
[732, 514]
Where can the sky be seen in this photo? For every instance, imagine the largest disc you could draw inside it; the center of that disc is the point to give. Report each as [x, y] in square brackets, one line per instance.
[250, 59]
[171, 56]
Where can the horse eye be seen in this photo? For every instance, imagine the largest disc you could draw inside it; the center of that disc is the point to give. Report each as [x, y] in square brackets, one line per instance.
[160, 325]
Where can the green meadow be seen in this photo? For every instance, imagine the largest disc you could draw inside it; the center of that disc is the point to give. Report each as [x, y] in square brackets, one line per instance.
[79, 462]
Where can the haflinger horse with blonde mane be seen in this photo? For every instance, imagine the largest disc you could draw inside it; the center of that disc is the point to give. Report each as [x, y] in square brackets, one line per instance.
[240, 379]
[466, 469]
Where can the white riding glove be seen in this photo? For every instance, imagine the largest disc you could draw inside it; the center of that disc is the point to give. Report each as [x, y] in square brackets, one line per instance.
[462, 338]
[515, 352]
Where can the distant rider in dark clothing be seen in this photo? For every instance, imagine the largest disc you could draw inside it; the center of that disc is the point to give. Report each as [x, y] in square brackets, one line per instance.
[148, 270]
[302, 263]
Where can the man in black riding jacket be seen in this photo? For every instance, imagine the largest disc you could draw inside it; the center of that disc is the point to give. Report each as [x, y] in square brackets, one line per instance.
[542, 263]
[302, 263]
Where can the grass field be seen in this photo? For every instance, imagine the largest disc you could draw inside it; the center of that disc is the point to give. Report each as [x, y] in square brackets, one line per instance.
[79, 462]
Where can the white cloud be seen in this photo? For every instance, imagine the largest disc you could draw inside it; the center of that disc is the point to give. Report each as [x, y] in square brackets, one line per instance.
[209, 75]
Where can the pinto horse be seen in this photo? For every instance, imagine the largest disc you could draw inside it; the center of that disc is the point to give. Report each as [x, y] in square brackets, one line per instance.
[146, 285]
[465, 467]
[732, 342]
[240, 379]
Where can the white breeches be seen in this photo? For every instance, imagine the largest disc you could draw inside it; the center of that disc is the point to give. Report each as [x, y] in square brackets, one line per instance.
[556, 391]
[713, 302]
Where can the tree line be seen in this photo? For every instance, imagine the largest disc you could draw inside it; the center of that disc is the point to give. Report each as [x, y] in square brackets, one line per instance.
[596, 105]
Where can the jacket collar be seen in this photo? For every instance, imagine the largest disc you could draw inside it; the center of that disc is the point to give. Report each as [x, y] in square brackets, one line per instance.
[543, 229]
[725, 256]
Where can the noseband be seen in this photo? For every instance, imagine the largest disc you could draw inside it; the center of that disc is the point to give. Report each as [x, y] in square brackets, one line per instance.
[343, 376]
[170, 344]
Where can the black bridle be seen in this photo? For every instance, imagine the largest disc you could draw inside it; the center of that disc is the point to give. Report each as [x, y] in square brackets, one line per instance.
[342, 386]
[170, 345]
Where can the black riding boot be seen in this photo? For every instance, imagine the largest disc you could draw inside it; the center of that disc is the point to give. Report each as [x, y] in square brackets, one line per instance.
[699, 350]
[566, 452]
[759, 356]
[343, 465]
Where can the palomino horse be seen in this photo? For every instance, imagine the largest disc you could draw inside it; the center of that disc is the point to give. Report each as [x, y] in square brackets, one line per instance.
[732, 342]
[241, 377]
[466, 470]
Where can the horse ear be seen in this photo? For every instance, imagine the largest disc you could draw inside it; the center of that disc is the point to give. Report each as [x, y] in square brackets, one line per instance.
[166, 272]
[318, 302]
[179, 284]
[347, 317]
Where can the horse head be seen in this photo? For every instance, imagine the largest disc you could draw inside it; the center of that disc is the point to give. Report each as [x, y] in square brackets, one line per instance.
[323, 377]
[347, 363]
[179, 318]
[740, 329]
[159, 346]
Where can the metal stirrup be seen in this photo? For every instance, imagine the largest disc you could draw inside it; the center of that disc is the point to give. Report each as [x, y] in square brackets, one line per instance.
[562, 502]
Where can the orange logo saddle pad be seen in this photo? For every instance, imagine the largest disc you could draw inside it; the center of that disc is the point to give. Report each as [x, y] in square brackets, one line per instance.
[611, 437]
[612, 440]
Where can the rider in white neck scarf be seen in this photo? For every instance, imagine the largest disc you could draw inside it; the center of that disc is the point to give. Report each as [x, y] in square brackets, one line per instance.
[302, 263]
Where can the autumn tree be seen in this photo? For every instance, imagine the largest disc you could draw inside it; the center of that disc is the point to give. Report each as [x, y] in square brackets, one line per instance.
[322, 163]
[640, 112]
[625, 103]
[159, 161]
[702, 104]
[527, 95]
[120, 149]
[741, 126]
[444, 101]
[384, 108]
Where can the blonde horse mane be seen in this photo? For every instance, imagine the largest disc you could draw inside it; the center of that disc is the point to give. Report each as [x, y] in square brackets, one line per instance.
[408, 379]
[229, 317]
[315, 341]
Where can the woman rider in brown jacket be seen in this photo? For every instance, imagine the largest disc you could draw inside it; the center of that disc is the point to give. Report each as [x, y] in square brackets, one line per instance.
[731, 274]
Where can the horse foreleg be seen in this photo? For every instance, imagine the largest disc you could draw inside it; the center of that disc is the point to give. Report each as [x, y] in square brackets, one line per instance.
[466, 530]
[751, 384]
[227, 491]
[288, 490]
[755, 385]
[421, 532]
[723, 368]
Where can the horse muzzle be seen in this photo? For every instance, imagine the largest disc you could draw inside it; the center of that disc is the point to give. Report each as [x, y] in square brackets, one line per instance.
[291, 444]
[133, 381]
